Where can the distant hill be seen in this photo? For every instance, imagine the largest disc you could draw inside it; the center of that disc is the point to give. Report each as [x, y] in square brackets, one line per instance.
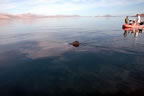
[30, 16]
[142, 14]
[6, 16]
[107, 15]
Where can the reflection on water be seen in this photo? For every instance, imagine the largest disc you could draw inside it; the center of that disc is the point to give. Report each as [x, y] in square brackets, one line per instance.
[132, 31]
[58, 57]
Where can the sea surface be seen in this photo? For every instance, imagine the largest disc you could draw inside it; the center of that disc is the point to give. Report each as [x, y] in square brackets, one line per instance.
[37, 57]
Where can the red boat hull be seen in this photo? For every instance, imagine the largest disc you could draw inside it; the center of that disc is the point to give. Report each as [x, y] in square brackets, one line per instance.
[132, 26]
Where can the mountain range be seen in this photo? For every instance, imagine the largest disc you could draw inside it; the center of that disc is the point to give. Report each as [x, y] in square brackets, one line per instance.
[30, 16]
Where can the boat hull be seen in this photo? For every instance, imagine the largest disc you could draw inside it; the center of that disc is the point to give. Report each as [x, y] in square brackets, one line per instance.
[132, 26]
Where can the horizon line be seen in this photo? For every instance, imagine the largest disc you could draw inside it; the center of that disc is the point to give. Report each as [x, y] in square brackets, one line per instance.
[28, 13]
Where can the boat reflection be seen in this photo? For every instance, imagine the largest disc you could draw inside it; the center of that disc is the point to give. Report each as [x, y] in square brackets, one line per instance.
[133, 31]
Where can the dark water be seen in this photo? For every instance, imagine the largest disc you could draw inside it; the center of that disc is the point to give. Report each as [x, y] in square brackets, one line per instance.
[37, 59]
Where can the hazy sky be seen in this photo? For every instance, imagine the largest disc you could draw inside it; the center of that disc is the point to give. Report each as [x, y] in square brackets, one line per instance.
[69, 7]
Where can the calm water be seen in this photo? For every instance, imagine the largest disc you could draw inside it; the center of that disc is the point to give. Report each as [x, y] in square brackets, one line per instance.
[37, 59]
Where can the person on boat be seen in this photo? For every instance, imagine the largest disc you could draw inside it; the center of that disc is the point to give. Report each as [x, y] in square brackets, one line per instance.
[142, 23]
[134, 23]
[130, 22]
[138, 19]
[126, 20]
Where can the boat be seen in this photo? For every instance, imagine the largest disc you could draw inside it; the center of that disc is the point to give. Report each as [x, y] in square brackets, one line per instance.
[132, 26]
